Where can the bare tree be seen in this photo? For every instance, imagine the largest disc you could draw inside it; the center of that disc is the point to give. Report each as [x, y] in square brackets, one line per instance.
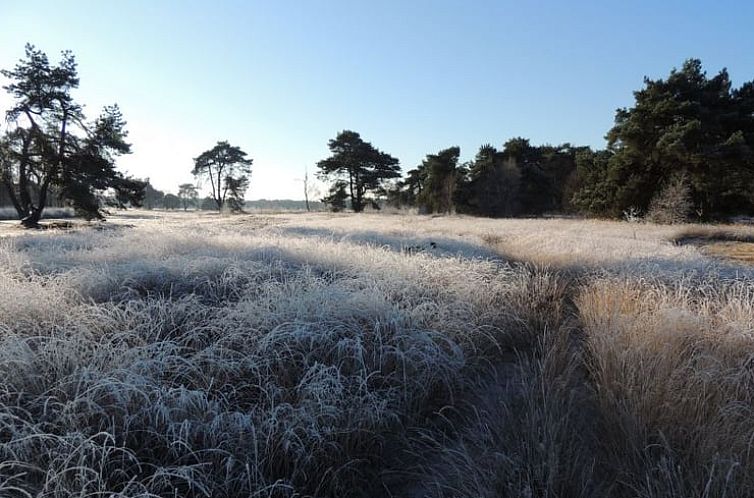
[311, 190]
[306, 189]
[673, 203]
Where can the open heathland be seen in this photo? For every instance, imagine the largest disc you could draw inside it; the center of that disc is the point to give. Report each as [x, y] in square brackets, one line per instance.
[192, 354]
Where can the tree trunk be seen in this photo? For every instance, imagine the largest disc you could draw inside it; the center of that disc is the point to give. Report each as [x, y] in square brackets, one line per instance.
[354, 202]
[23, 184]
[220, 192]
[359, 199]
[35, 212]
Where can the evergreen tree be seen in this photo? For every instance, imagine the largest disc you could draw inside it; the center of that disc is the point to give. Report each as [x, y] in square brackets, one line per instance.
[596, 195]
[188, 194]
[440, 180]
[687, 124]
[50, 146]
[359, 165]
[337, 197]
[236, 193]
[228, 169]
[153, 198]
[494, 182]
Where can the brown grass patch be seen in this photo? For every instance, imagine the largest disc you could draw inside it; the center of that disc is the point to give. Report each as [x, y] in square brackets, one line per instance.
[738, 251]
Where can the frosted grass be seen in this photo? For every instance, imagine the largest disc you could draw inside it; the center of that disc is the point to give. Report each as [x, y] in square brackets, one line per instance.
[337, 355]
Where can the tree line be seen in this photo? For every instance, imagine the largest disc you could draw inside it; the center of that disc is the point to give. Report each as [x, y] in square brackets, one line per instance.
[684, 149]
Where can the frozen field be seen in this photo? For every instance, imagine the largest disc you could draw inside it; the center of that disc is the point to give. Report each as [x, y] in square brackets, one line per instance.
[373, 355]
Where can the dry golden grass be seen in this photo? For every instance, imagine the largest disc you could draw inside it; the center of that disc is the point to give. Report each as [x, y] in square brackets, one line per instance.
[671, 366]
[737, 251]
[727, 242]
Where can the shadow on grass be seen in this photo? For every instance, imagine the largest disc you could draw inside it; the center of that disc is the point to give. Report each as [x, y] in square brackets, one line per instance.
[438, 246]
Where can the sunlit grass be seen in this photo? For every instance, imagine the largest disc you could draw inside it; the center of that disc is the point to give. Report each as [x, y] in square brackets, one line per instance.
[338, 355]
[737, 251]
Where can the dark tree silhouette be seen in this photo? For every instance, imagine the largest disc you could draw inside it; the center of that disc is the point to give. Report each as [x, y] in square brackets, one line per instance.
[337, 197]
[494, 184]
[520, 179]
[153, 198]
[359, 164]
[221, 163]
[236, 191]
[50, 146]
[440, 176]
[687, 124]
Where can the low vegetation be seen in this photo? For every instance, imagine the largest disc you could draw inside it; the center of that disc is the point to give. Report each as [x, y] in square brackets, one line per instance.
[301, 355]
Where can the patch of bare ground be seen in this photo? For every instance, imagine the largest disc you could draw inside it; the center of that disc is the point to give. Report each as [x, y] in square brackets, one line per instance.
[727, 242]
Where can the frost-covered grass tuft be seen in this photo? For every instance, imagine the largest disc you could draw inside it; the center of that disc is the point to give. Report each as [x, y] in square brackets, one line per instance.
[335, 355]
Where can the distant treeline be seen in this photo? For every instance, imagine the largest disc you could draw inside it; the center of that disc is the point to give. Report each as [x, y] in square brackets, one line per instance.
[284, 205]
[186, 199]
[684, 150]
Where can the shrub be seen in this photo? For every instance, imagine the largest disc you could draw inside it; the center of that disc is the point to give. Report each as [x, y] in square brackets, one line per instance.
[672, 205]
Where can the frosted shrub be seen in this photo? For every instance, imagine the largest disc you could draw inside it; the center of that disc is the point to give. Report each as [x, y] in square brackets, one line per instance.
[672, 204]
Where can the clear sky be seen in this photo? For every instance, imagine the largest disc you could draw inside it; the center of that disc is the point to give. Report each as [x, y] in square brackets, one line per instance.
[279, 78]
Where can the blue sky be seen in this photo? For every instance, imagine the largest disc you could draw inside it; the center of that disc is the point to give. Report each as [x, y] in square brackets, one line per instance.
[280, 78]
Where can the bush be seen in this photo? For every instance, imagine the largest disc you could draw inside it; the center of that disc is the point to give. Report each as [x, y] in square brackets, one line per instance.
[672, 204]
